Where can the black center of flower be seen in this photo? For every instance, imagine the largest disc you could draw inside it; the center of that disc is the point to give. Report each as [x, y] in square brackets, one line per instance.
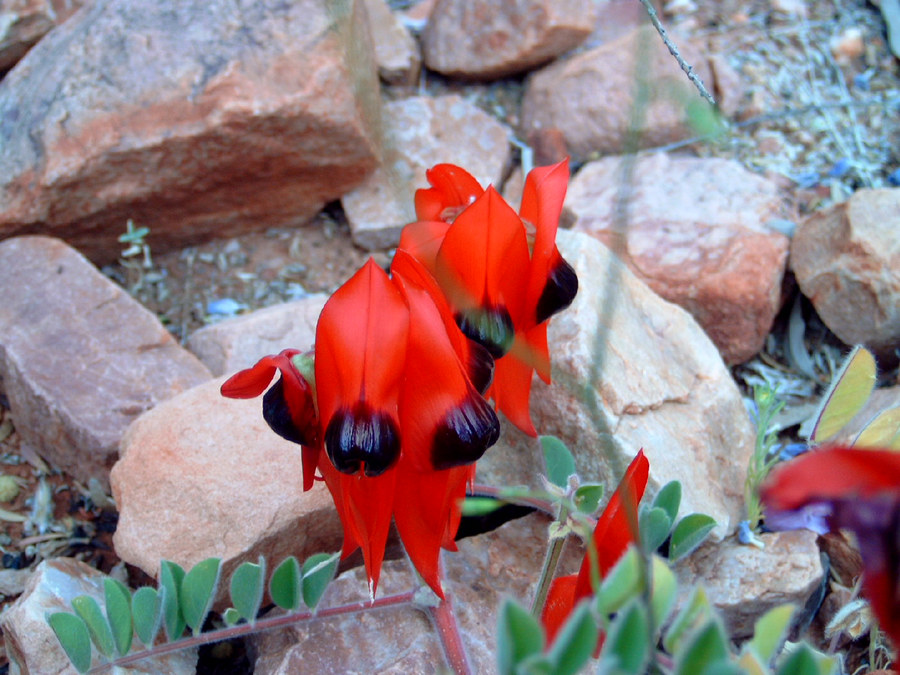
[362, 438]
[480, 367]
[278, 416]
[491, 328]
[465, 433]
[558, 293]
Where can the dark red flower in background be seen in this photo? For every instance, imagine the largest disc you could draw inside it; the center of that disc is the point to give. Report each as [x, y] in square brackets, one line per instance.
[616, 530]
[861, 489]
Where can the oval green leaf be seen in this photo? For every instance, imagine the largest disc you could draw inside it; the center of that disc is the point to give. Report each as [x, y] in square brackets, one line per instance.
[318, 571]
[628, 644]
[654, 526]
[147, 611]
[87, 608]
[587, 497]
[247, 585]
[881, 432]
[519, 635]
[689, 533]
[118, 613]
[170, 577]
[624, 581]
[575, 641]
[231, 616]
[847, 394]
[72, 634]
[669, 499]
[696, 611]
[560, 463]
[198, 589]
[802, 661]
[284, 586]
[704, 649]
[480, 506]
[769, 632]
[665, 588]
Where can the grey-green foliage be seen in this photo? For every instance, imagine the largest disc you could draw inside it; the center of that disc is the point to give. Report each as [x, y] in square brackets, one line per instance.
[184, 599]
[635, 609]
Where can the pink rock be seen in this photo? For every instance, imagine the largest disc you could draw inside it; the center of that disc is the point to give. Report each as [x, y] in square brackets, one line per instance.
[79, 358]
[744, 582]
[847, 262]
[203, 476]
[633, 371]
[589, 96]
[396, 52]
[234, 344]
[24, 22]
[697, 235]
[482, 39]
[32, 646]
[195, 119]
[420, 132]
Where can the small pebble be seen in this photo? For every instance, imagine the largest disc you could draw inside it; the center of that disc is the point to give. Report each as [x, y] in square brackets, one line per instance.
[9, 488]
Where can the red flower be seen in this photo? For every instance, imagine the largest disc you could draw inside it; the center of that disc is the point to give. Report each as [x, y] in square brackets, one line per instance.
[501, 271]
[861, 486]
[396, 406]
[616, 529]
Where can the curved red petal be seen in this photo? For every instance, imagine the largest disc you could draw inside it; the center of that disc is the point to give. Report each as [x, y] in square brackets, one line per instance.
[559, 605]
[511, 391]
[360, 356]
[617, 526]
[452, 188]
[251, 382]
[427, 512]
[364, 506]
[422, 240]
[832, 473]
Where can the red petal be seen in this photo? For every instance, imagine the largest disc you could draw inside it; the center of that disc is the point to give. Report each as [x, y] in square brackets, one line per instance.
[617, 526]
[251, 382]
[832, 473]
[511, 391]
[559, 604]
[453, 187]
[360, 355]
[364, 506]
[423, 240]
[427, 512]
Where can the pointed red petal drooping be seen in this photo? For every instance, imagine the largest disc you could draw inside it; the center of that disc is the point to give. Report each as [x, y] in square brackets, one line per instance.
[251, 382]
[427, 511]
[364, 505]
[453, 189]
[482, 267]
[832, 473]
[360, 355]
[559, 604]
[511, 391]
[617, 526]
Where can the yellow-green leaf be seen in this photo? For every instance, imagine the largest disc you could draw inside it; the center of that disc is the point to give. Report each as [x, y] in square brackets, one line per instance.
[881, 432]
[847, 394]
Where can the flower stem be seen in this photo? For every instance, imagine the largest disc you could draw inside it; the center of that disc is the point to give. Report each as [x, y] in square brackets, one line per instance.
[551, 561]
[256, 627]
[451, 639]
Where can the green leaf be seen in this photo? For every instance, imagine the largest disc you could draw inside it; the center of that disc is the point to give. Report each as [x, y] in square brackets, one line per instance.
[881, 432]
[654, 526]
[560, 463]
[848, 393]
[118, 613]
[669, 499]
[575, 641]
[769, 631]
[665, 588]
[72, 634]
[623, 582]
[519, 635]
[801, 661]
[247, 585]
[147, 610]
[587, 497]
[696, 611]
[87, 608]
[628, 641]
[480, 506]
[318, 571]
[198, 589]
[170, 577]
[231, 616]
[689, 533]
[703, 649]
[284, 586]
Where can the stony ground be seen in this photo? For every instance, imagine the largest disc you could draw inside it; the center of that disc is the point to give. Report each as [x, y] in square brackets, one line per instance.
[819, 93]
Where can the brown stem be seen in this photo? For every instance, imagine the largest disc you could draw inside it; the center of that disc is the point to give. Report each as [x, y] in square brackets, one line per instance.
[256, 627]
